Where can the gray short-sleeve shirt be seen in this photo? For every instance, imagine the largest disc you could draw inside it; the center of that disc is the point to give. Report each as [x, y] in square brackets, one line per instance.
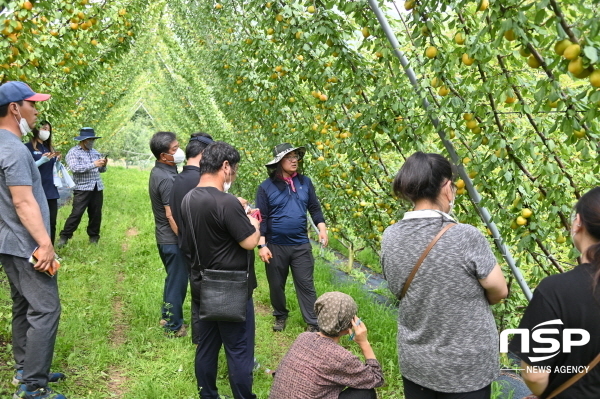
[447, 337]
[17, 168]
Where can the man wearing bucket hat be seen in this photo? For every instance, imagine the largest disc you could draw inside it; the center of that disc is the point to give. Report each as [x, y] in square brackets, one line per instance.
[25, 227]
[86, 163]
[283, 200]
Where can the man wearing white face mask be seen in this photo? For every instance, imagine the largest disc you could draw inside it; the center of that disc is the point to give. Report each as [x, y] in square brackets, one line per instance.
[86, 164]
[165, 147]
[25, 227]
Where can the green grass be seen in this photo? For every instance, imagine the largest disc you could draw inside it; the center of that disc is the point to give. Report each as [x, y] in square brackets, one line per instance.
[109, 342]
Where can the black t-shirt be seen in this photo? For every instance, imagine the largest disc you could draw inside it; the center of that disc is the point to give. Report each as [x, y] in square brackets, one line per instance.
[219, 223]
[182, 184]
[569, 297]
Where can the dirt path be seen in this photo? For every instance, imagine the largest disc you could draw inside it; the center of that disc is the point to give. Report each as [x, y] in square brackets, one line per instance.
[117, 379]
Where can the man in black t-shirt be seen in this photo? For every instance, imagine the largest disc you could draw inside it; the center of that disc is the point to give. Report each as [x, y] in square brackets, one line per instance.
[182, 184]
[218, 222]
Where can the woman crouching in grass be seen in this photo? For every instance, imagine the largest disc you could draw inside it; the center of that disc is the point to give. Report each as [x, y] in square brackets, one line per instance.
[318, 367]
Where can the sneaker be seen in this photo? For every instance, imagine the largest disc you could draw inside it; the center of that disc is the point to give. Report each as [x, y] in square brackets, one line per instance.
[62, 242]
[312, 328]
[40, 393]
[182, 332]
[52, 377]
[279, 324]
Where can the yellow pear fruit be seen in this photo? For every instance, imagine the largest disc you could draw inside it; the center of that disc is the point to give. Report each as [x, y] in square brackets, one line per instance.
[521, 221]
[468, 61]
[443, 91]
[576, 66]
[435, 82]
[572, 51]
[579, 133]
[595, 78]
[510, 35]
[459, 38]
[533, 62]
[483, 5]
[431, 52]
[526, 213]
[524, 51]
[561, 46]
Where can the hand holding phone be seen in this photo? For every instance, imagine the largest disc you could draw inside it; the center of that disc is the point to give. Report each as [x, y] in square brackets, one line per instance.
[36, 256]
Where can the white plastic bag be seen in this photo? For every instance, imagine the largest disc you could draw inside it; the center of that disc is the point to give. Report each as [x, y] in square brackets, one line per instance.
[63, 174]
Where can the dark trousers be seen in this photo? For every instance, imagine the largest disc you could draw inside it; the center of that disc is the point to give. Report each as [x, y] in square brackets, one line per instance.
[300, 260]
[238, 339]
[194, 321]
[353, 393]
[53, 206]
[35, 316]
[415, 391]
[176, 283]
[82, 200]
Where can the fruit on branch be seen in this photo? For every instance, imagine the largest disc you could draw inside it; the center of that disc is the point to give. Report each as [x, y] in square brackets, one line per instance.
[459, 38]
[533, 62]
[510, 35]
[431, 52]
[572, 51]
[468, 61]
[526, 213]
[561, 46]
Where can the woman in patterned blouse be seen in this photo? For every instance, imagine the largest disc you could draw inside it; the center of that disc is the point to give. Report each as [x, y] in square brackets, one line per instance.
[318, 367]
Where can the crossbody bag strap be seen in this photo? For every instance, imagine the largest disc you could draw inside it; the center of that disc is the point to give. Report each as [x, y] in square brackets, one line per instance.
[191, 227]
[575, 378]
[422, 258]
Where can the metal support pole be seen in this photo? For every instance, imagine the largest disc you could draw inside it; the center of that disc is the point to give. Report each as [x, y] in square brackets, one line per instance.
[474, 195]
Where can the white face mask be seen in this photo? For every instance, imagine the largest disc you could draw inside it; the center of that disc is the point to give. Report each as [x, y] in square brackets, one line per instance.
[23, 125]
[227, 185]
[44, 135]
[179, 156]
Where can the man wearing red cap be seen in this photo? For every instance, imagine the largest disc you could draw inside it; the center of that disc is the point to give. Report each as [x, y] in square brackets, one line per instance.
[25, 226]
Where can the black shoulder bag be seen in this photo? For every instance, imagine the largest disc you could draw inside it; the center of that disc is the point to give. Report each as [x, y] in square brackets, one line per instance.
[223, 293]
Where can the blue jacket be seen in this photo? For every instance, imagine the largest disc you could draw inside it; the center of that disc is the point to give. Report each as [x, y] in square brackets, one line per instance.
[283, 211]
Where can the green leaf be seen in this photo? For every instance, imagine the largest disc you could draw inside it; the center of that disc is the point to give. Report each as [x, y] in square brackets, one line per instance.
[591, 53]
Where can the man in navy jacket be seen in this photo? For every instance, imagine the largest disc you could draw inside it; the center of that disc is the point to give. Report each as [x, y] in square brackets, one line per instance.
[283, 200]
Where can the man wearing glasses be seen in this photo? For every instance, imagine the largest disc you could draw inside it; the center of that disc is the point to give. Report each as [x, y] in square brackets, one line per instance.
[283, 200]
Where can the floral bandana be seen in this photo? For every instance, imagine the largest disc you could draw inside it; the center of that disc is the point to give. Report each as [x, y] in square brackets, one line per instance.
[335, 311]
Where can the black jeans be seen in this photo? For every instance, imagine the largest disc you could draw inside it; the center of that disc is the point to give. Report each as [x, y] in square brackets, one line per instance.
[53, 206]
[415, 391]
[300, 260]
[82, 200]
